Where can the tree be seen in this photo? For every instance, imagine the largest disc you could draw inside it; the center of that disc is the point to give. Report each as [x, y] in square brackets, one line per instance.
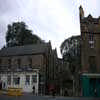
[18, 34]
[70, 50]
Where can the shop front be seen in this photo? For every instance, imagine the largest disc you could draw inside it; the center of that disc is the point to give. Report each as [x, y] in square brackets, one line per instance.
[90, 85]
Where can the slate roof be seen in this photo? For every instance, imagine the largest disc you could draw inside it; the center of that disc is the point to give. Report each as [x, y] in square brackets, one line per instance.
[24, 50]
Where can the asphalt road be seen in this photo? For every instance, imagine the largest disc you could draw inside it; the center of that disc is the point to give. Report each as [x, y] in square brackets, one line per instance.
[32, 97]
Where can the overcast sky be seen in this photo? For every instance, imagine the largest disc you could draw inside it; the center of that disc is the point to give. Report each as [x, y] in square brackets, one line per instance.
[53, 20]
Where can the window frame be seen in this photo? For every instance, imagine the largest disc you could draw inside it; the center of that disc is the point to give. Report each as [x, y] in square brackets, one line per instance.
[34, 78]
[91, 40]
[16, 80]
[27, 80]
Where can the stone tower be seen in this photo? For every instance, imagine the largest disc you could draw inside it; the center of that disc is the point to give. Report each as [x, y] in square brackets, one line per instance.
[81, 12]
[90, 42]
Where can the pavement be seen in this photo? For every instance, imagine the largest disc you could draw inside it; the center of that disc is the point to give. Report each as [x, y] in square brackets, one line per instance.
[32, 97]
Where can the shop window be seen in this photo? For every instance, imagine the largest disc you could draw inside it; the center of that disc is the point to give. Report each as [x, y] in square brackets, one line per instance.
[92, 85]
[16, 80]
[34, 79]
[9, 80]
[27, 80]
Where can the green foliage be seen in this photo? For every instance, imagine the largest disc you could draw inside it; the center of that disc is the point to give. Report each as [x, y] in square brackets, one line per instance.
[70, 50]
[18, 34]
[71, 46]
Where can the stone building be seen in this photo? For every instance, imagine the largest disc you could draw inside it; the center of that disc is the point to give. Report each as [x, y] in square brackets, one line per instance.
[52, 69]
[90, 35]
[26, 67]
[90, 54]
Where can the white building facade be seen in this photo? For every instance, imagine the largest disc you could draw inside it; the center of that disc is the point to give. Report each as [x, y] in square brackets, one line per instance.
[24, 80]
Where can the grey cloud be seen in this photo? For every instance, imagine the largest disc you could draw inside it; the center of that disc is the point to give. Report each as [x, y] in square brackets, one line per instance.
[47, 22]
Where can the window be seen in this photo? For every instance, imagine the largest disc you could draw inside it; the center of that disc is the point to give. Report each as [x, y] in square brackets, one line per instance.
[98, 80]
[16, 80]
[0, 77]
[91, 40]
[92, 85]
[0, 61]
[91, 43]
[27, 80]
[9, 63]
[92, 64]
[30, 62]
[34, 79]
[9, 80]
[18, 62]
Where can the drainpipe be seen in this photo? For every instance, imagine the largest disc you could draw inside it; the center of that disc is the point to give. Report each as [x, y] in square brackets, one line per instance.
[73, 87]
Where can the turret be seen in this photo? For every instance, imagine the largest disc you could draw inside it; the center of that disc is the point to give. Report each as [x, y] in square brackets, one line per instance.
[81, 12]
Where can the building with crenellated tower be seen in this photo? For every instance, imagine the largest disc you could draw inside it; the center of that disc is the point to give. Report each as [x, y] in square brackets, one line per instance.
[90, 53]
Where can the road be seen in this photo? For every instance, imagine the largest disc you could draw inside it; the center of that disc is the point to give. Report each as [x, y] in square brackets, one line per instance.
[32, 97]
